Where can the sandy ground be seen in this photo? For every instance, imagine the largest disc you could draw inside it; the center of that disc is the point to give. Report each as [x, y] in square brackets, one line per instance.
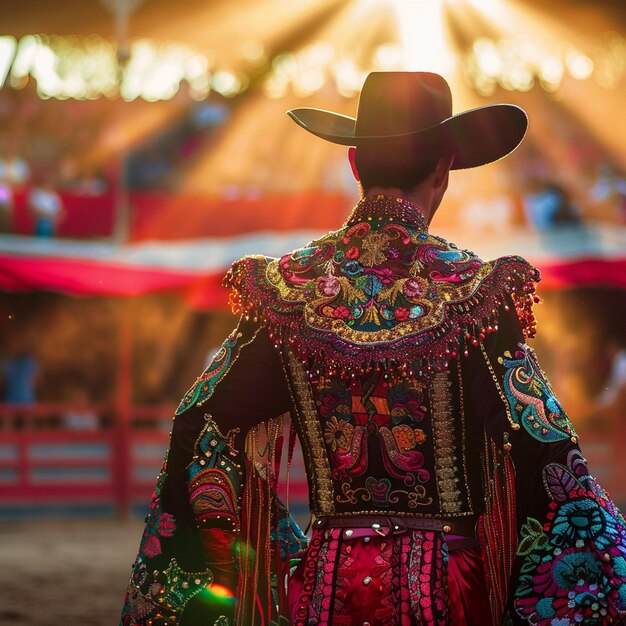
[71, 573]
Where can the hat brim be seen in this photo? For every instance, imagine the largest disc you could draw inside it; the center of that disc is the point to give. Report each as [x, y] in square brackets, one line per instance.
[475, 137]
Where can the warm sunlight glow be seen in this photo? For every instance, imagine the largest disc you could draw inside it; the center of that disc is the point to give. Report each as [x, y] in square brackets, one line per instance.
[420, 27]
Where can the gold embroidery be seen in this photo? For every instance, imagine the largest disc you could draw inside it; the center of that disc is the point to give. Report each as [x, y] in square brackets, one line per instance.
[434, 309]
[312, 438]
[374, 245]
[443, 433]
[514, 424]
[470, 500]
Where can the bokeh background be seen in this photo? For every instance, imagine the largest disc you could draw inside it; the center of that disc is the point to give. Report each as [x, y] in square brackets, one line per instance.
[144, 146]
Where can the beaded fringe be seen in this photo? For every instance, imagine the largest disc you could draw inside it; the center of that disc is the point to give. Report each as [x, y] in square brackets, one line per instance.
[418, 355]
[497, 527]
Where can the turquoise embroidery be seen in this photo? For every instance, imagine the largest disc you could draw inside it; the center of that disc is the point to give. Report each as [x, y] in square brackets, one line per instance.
[574, 563]
[203, 388]
[166, 596]
[215, 477]
[531, 399]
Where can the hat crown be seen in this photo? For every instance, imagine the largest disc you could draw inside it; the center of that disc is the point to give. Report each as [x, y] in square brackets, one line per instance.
[395, 103]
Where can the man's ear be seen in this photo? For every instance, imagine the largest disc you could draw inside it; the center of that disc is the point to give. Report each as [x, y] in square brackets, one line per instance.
[443, 169]
[351, 158]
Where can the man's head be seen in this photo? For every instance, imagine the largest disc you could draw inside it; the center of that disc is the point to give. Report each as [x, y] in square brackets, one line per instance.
[407, 171]
[402, 167]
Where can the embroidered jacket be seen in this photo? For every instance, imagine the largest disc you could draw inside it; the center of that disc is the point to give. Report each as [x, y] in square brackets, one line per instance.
[403, 364]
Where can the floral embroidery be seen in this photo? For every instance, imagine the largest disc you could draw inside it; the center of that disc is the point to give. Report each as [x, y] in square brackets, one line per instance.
[158, 524]
[338, 434]
[575, 562]
[407, 438]
[531, 399]
[359, 295]
[377, 455]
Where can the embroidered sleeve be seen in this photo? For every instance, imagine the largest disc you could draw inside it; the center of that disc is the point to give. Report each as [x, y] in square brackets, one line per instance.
[189, 554]
[563, 543]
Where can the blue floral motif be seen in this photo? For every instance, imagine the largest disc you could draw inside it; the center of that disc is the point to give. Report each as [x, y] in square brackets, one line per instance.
[372, 286]
[352, 268]
[584, 520]
[574, 565]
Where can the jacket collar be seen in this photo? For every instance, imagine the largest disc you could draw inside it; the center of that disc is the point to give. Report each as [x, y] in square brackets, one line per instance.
[378, 209]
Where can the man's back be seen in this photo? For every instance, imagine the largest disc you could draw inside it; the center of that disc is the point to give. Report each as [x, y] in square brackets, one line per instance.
[374, 319]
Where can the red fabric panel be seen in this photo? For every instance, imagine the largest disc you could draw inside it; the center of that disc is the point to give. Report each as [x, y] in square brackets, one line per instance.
[97, 278]
[563, 274]
[469, 599]
[85, 216]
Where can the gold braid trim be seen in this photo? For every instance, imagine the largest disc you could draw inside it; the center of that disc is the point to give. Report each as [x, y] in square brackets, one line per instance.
[312, 436]
[443, 432]
[512, 422]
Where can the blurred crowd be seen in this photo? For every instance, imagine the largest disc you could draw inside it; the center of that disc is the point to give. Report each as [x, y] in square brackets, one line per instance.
[41, 142]
[51, 149]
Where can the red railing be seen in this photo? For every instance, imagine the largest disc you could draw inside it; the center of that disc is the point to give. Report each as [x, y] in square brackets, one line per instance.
[114, 462]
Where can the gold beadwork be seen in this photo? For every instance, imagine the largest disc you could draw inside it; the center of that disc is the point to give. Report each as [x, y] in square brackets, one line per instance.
[514, 424]
[463, 435]
[387, 208]
[443, 434]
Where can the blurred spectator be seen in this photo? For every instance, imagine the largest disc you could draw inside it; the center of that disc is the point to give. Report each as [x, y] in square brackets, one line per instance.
[14, 170]
[151, 169]
[82, 181]
[547, 206]
[47, 208]
[90, 183]
[610, 188]
[6, 206]
[20, 373]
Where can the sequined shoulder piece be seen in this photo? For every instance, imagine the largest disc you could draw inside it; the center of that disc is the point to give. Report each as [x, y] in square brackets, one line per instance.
[379, 292]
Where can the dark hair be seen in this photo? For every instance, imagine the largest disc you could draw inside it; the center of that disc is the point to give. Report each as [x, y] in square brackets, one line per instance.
[402, 165]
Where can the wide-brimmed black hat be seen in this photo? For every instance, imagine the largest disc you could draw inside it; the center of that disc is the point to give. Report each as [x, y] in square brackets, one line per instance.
[416, 107]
